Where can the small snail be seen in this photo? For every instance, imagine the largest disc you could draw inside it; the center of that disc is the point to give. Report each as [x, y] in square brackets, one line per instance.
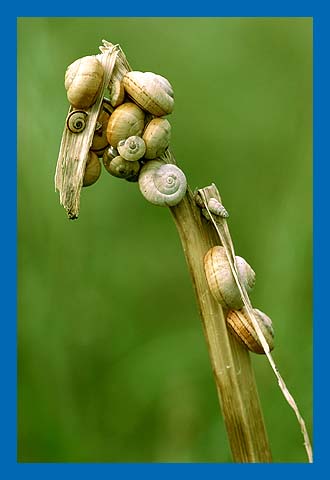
[100, 141]
[157, 136]
[76, 121]
[83, 80]
[152, 92]
[92, 170]
[221, 280]
[162, 183]
[131, 149]
[217, 208]
[241, 326]
[121, 168]
[125, 121]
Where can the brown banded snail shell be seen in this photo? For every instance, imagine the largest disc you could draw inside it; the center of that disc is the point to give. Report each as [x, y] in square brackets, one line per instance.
[92, 170]
[156, 135]
[76, 121]
[125, 121]
[152, 92]
[83, 80]
[241, 326]
[221, 280]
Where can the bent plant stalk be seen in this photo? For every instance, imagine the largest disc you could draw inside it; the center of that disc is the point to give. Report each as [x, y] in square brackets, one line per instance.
[230, 360]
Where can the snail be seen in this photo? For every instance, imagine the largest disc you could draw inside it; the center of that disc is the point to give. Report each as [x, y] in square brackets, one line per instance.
[116, 92]
[76, 121]
[157, 136]
[162, 183]
[131, 149]
[241, 326]
[221, 280]
[92, 170]
[125, 121]
[152, 92]
[83, 80]
[100, 141]
[119, 167]
[217, 208]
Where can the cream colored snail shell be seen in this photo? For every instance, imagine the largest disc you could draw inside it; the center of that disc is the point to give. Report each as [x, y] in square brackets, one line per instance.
[131, 149]
[100, 140]
[76, 121]
[83, 80]
[221, 280]
[116, 92]
[157, 135]
[92, 170]
[162, 183]
[121, 168]
[152, 92]
[241, 326]
[125, 121]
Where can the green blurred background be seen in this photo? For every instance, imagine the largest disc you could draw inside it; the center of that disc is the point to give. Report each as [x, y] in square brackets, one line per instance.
[112, 362]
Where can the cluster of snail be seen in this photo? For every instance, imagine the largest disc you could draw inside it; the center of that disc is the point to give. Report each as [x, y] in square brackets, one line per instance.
[225, 290]
[131, 133]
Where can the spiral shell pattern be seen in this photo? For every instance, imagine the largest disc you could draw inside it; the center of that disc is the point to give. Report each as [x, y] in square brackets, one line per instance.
[76, 121]
[162, 183]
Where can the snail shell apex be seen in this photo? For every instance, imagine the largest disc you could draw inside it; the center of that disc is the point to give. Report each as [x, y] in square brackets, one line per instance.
[132, 149]
[152, 92]
[241, 326]
[162, 183]
[83, 80]
[221, 280]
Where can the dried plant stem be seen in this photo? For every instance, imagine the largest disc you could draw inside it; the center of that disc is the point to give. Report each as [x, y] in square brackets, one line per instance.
[231, 365]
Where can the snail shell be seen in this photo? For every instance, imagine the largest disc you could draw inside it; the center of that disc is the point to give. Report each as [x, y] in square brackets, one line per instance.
[157, 135]
[221, 280]
[83, 80]
[152, 92]
[76, 121]
[241, 326]
[121, 168]
[162, 183]
[116, 92]
[125, 121]
[100, 141]
[93, 169]
[217, 208]
[131, 149]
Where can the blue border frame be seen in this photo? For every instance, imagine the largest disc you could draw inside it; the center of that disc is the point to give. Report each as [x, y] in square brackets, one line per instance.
[9, 466]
